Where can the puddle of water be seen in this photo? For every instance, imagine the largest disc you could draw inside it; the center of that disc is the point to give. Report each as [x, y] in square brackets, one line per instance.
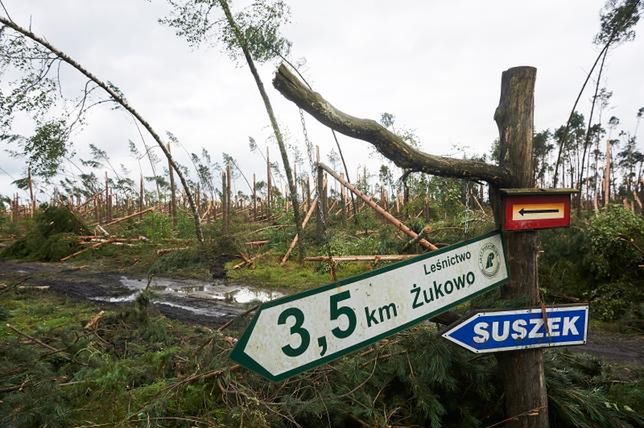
[218, 291]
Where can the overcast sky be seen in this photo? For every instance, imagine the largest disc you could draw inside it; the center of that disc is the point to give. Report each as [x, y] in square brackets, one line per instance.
[435, 65]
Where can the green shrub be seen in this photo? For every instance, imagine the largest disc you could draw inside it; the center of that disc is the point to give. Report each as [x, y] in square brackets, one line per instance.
[597, 261]
[52, 235]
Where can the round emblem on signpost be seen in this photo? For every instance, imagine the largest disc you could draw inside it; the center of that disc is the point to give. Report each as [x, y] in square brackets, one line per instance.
[489, 259]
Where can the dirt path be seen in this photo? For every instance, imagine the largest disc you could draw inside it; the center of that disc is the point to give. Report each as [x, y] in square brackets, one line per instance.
[214, 303]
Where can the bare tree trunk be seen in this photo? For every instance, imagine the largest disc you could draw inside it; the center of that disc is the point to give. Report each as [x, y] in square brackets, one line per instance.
[254, 199]
[526, 402]
[269, 184]
[31, 192]
[276, 130]
[224, 209]
[321, 205]
[141, 195]
[574, 107]
[588, 129]
[229, 186]
[119, 99]
[607, 172]
[173, 196]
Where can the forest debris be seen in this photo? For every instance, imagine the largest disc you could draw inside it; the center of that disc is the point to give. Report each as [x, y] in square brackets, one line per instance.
[162, 251]
[374, 206]
[427, 229]
[94, 321]
[257, 243]
[251, 260]
[96, 245]
[33, 287]
[118, 220]
[296, 238]
[32, 339]
[102, 230]
[382, 258]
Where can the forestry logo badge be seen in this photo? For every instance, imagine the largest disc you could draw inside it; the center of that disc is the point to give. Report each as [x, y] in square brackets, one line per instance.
[489, 259]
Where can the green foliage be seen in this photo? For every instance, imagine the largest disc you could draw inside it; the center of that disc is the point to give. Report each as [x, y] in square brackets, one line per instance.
[138, 368]
[156, 226]
[194, 259]
[617, 239]
[47, 148]
[618, 20]
[259, 25]
[52, 235]
[598, 261]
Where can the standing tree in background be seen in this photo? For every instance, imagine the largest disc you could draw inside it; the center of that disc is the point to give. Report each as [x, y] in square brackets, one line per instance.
[254, 32]
[617, 23]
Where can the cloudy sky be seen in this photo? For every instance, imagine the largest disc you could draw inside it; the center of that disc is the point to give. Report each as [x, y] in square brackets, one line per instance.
[435, 65]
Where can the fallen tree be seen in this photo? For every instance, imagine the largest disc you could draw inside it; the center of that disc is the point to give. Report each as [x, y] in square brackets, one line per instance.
[386, 142]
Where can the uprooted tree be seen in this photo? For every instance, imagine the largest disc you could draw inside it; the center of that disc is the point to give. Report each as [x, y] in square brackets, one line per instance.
[524, 379]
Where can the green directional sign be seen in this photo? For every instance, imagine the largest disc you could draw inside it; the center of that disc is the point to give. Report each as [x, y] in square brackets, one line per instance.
[298, 332]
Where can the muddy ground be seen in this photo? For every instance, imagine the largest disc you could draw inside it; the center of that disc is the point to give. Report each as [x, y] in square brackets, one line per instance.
[209, 303]
[215, 303]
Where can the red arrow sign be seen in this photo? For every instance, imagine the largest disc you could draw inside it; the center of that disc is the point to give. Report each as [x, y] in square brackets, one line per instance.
[526, 212]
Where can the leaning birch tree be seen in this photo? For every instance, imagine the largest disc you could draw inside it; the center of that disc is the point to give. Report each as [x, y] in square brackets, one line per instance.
[253, 32]
[17, 51]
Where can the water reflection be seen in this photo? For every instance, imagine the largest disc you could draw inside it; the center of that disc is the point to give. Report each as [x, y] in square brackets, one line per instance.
[217, 291]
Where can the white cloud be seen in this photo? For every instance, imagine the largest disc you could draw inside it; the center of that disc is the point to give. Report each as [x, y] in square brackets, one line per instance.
[435, 66]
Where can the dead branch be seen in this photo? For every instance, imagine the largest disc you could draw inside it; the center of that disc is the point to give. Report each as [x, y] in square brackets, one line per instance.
[118, 220]
[383, 258]
[251, 260]
[297, 236]
[377, 208]
[91, 247]
[163, 251]
[92, 323]
[389, 144]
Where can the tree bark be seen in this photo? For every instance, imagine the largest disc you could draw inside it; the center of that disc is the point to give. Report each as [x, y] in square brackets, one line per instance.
[119, 99]
[276, 130]
[173, 195]
[389, 144]
[526, 402]
[588, 129]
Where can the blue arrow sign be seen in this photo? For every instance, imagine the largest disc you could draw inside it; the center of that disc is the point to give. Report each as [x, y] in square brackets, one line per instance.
[496, 331]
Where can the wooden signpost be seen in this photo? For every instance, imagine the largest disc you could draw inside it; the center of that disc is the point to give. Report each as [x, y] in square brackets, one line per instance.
[295, 333]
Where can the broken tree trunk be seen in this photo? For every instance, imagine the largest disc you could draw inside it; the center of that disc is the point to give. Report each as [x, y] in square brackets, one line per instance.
[173, 195]
[389, 144]
[526, 402]
[127, 217]
[297, 236]
[31, 192]
[391, 219]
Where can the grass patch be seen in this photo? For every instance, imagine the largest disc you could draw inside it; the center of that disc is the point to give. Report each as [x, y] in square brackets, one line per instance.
[269, 274]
